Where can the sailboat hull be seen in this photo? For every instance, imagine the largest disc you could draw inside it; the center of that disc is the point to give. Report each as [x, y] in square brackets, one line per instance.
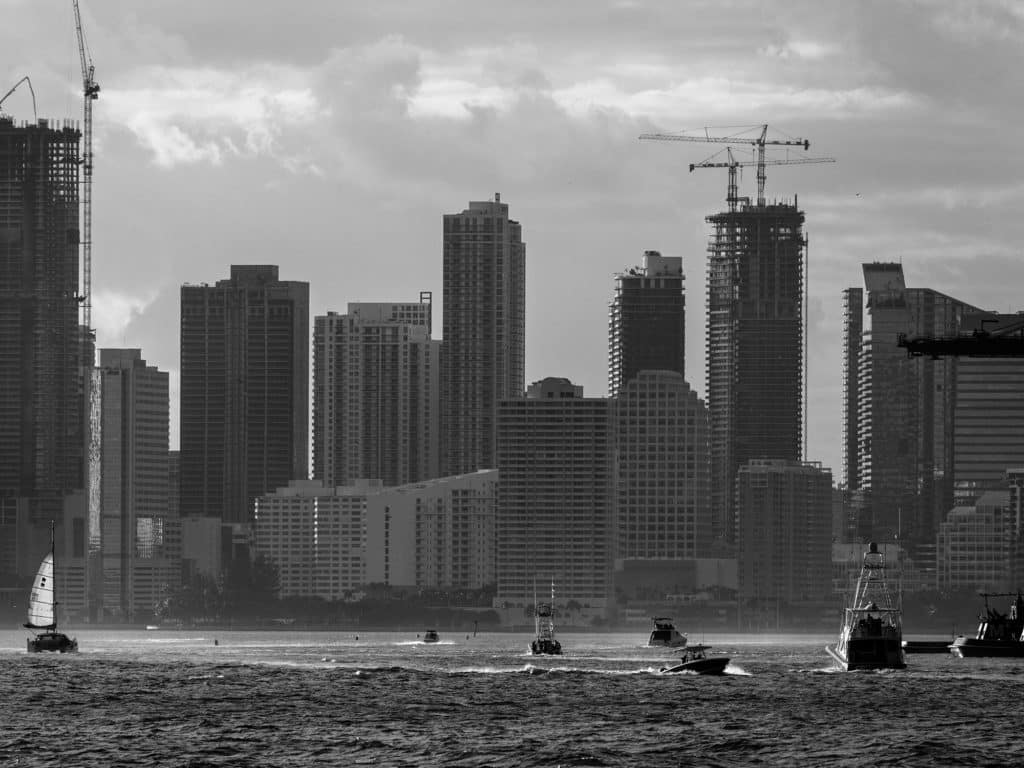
[52, 642]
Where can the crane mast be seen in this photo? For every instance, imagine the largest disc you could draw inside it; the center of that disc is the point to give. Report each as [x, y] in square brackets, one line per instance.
[732, 164]
[90, 92]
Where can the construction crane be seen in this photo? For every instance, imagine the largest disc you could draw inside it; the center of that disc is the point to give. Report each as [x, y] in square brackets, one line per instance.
[90, 92]
[732, 197]
[760, 142]
[1001, 341]
[31, 90]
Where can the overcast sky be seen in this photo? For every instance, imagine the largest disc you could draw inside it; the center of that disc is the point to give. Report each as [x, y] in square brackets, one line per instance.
[329, 137]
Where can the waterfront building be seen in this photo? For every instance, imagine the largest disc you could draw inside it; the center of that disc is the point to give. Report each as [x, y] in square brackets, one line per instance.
[376, 395]
[647, 321]
[484, 330]
[755, 345]
[244, 391]
[45, 355]
[555, 501]
[132, 467]
[976, 544]
[784, 533]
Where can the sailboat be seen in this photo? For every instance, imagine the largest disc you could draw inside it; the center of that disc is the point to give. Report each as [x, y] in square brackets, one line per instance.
[42, 613]
[872, 632]
[544, 642]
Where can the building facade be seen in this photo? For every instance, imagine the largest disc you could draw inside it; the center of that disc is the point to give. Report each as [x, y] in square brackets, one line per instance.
[904, 410]
[784, 533]
[132, 465]
[483, 358]
[45, 356]
[555, 500]
[976, 546]
[376, 397]
[755, 349]
[647, 321]
[244, 391]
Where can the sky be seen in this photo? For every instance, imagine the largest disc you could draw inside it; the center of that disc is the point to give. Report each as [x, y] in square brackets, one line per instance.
[329, 137]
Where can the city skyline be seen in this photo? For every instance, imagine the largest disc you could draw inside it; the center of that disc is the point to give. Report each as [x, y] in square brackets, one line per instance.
[302, 141]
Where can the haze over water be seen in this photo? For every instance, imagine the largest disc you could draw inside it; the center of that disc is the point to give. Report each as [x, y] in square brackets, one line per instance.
[173, 698]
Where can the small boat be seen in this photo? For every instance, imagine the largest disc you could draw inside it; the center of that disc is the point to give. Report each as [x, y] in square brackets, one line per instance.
[151, 627]
[665, 635]
[42, 612]
[694, 659]
[999, 634]
[544, 642]
[926, 646]
[430, 636]
[872, 633]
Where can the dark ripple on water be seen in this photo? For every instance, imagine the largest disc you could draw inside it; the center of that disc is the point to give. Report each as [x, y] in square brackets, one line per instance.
[87, 711]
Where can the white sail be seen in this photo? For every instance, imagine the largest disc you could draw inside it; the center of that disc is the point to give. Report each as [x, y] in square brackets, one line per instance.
[40, 606]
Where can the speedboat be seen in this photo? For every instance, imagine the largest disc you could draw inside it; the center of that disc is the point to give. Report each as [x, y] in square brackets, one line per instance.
[999, 634]
[544, 642]
[665, 635]
[871, 636]
[42, 611]
[694, 659]
[430, 636]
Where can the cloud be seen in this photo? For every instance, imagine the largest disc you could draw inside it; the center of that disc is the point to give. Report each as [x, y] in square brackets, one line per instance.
[192, 115]
[113, 312]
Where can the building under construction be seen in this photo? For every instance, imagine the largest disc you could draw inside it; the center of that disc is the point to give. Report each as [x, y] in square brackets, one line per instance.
[42, 439]
[755, 343]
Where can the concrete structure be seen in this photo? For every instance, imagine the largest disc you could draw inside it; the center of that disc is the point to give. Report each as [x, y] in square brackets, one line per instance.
[376, 401]
[647, 321]
[662, 475]
[755, 344]
[132, 464]
[438, 534]
[784, 532]
[244, 391]
[44, 354]
[315, 536]
[904, 417]
[555, 500]
[484, 330]
[988, 428]
[976, 544]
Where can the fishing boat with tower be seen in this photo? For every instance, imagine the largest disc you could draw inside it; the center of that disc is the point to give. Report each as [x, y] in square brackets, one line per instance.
[42, 610]
[871, 636]
[544, 642]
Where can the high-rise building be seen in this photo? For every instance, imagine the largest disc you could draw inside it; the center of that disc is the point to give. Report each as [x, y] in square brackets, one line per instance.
[484, 331]
[244, 391]
[647, 321]
[784, 523]
[662, 469]
[977, 544]
[988, 430]
[755, 355]
[132, 467]
[555, 499]
[904, 410]
[376, 394]
[853, 330]
[44, 356]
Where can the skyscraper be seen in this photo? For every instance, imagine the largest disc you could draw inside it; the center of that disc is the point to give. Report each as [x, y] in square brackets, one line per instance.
[555, 498]
[755, 293]
[244, 391]
[647, 321]
[904, 416]
[375, 394]
[484, 330]
[133, 471]
[42, 355]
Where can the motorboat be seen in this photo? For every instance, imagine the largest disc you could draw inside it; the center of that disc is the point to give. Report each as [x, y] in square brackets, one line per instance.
[431, 636]
[871, 636]
[665, 635]
[544, 642]
[999, 634]
[42, 613]
[696, 660]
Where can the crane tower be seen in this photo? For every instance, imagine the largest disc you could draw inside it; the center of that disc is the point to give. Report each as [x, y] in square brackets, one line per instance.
[90, 92]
